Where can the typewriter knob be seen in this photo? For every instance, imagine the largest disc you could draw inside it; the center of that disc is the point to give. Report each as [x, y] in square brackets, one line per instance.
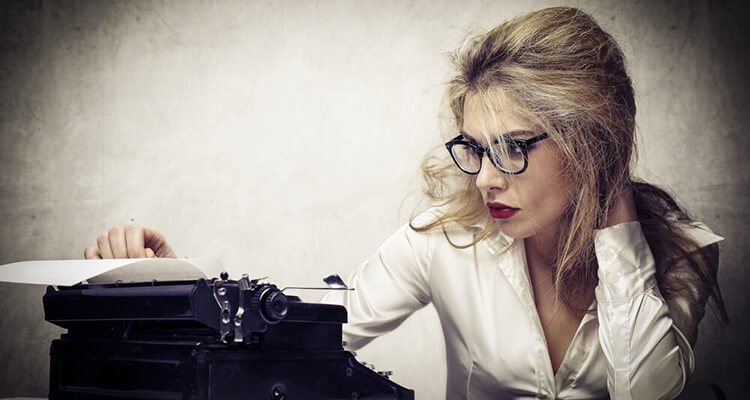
[278, 392]
[274, 305]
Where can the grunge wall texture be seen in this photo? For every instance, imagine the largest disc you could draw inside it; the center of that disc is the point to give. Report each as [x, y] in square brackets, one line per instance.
[285, 136]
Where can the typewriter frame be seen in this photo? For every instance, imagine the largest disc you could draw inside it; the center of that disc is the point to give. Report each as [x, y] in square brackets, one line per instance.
[203, 340]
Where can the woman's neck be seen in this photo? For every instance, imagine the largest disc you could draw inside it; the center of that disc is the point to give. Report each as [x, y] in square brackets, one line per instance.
[541, 259]
[541, 249]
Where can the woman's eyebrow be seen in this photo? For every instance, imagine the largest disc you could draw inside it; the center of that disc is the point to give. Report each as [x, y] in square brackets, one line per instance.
[467, 136]
[511, 134]
[519, 132]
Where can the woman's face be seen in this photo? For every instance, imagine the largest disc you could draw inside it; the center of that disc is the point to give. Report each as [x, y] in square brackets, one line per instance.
[523, 205]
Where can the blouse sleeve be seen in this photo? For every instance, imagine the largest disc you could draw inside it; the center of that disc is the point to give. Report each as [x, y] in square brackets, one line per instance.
[648, 356]
[388, 287]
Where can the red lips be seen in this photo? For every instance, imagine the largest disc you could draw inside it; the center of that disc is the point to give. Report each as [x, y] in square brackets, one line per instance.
[502, 211]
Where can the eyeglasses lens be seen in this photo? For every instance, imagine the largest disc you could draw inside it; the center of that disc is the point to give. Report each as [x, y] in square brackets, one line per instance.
[508, 156]
[466, 157]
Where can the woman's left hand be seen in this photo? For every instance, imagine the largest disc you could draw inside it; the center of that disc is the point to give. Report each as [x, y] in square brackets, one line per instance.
[623, 207]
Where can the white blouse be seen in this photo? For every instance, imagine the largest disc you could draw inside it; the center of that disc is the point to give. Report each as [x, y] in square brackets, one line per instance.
[495, 346]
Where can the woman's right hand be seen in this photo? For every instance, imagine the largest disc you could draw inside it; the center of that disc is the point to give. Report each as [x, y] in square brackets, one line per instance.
[131, 241]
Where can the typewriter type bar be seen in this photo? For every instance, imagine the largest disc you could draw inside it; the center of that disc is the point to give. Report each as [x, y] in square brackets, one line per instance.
[213, 339]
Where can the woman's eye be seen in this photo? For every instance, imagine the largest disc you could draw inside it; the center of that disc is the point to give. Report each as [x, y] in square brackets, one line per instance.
[513, 149]
[476, 150]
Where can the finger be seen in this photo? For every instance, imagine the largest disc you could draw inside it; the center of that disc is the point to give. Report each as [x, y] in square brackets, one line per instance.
[158, 243]
[117, 244]
[92, 253]
[103, 242]
[150, 253]
[134, 241]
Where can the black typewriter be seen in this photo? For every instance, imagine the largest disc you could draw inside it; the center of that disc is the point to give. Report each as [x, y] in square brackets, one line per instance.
[216, 339]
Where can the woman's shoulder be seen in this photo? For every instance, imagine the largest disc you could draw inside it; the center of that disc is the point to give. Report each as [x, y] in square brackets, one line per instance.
[438, 220]
[444, 231]
[426, 218]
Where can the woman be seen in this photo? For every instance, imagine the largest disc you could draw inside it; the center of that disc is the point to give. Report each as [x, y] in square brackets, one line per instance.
[554, 274]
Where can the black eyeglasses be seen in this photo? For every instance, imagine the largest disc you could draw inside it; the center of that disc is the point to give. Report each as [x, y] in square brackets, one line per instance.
[507, 154]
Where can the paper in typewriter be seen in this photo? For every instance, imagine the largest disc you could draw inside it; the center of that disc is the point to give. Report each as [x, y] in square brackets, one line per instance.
[71, 272]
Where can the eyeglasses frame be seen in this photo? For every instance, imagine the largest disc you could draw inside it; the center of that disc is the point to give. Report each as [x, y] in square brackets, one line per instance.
[523, 144]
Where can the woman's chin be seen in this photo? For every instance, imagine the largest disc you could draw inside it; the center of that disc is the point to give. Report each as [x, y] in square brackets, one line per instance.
[513, 230]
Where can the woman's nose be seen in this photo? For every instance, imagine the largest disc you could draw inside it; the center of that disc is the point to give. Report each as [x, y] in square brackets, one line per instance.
[490, 177]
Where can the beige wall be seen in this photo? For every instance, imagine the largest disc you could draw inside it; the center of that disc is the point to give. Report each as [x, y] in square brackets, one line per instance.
[284, 137]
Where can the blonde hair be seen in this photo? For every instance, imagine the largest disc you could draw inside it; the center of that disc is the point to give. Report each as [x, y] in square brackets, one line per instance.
[566, 76]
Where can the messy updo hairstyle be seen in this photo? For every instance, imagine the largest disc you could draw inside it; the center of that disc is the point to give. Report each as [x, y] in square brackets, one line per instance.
[566, 76]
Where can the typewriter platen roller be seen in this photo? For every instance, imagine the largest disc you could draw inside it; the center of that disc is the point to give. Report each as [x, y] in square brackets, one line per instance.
[216, 339]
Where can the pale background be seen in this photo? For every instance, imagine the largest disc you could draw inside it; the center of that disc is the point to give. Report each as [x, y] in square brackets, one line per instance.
[284, 137]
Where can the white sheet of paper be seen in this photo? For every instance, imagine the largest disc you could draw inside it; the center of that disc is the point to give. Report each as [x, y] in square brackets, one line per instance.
[70, 272]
